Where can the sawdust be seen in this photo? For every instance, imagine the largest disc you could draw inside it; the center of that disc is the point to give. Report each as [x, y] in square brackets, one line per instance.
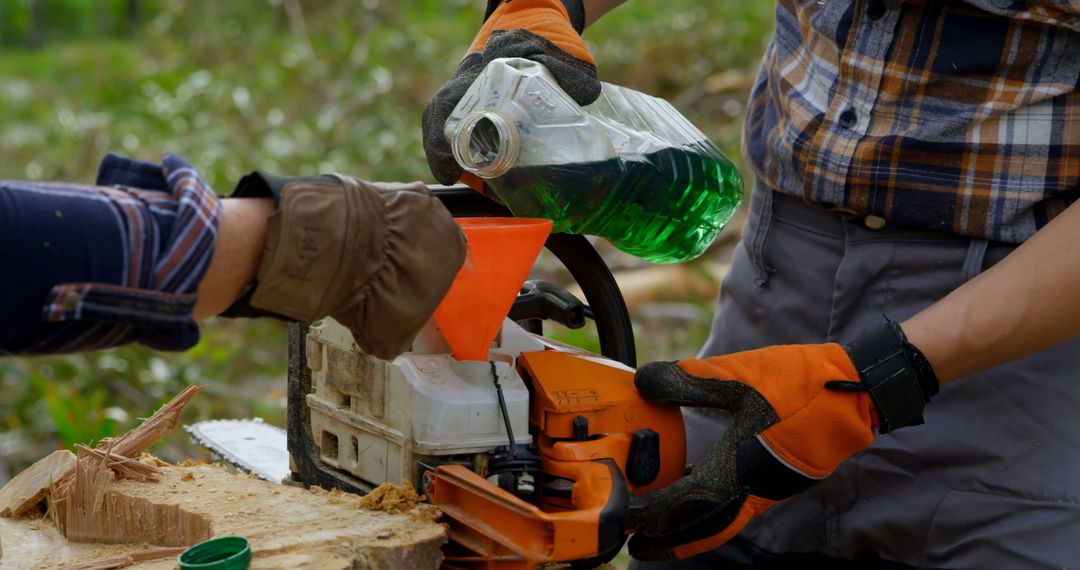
[191, 463]
[387, 498]
[152, 460]
[391, 498]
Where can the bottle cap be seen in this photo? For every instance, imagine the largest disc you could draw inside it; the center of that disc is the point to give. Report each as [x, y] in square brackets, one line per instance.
[222, 553]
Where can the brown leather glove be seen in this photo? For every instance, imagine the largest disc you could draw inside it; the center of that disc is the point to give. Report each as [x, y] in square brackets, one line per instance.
[377, 257]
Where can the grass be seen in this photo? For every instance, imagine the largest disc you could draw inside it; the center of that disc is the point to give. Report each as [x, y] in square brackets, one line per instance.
[237, 86]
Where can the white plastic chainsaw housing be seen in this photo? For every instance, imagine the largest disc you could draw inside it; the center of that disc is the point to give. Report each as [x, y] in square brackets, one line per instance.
[381, 421]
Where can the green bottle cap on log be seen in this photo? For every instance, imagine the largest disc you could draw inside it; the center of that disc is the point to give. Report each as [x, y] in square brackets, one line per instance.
[222, 553]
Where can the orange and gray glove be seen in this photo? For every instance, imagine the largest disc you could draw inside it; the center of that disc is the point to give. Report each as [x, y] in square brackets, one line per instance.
[798, 411]
[545, 31]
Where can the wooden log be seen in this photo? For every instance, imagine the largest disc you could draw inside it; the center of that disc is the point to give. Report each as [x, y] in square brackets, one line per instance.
[30, 487]
[288, 527]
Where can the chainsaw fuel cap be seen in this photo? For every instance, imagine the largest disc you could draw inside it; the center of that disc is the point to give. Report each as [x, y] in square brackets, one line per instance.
[222, 553]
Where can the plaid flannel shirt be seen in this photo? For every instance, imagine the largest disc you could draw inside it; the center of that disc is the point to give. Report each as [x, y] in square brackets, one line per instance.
[948, 115]
[89, 267]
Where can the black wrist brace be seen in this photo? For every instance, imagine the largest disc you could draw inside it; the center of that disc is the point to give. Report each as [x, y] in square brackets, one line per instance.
[896, 374]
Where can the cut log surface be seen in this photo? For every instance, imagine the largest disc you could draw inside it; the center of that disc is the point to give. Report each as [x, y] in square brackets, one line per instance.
[288, 527]
[30, 487]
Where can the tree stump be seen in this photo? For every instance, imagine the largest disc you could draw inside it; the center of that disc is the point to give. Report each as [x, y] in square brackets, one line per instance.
[288, 527]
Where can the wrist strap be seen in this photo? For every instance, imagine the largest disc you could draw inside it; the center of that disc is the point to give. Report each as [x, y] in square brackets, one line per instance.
[897, 375]
[258, 185]
[263, 185]
[575, 8]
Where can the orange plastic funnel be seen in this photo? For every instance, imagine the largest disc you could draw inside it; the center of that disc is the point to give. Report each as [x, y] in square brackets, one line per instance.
[501, 253]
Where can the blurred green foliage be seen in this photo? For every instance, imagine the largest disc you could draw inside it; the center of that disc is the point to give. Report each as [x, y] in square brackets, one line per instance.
[32, 22]
[297, 87]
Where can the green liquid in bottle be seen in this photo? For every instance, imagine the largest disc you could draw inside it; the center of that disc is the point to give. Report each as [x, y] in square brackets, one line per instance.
[665, 207]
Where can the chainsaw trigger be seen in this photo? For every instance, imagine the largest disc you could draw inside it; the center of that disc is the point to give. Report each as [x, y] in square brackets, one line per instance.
[643, 460]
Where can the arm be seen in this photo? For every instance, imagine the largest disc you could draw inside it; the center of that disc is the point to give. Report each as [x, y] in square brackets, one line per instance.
[1022, 305]
[236, 256]
[377, 257]
[799, 411]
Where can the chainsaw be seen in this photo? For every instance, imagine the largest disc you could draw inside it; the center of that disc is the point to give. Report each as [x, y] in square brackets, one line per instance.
[532, 453]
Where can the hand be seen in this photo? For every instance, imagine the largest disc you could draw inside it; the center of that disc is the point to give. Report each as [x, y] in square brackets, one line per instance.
[376, 257]
[798, 411]
[546, 31]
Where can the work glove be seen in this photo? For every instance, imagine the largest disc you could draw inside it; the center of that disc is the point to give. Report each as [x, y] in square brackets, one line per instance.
[798, 411]
[545, 31]
[376, 257]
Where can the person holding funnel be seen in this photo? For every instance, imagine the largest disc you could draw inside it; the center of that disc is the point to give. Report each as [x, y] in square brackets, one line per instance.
[148, 250]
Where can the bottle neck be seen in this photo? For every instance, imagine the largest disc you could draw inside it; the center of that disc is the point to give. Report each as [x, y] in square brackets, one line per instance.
[486, 144]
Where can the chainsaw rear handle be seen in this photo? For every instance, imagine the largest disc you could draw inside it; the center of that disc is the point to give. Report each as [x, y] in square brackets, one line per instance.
[582, 261]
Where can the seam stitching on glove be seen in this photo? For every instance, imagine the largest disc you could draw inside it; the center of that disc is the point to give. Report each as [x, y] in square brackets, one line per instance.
[785, 462]
[384, 249]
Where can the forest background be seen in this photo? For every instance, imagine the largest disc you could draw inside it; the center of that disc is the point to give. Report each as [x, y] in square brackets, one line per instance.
[301, 87]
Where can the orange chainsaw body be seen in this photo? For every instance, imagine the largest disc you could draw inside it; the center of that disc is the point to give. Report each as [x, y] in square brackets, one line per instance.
[600, 443]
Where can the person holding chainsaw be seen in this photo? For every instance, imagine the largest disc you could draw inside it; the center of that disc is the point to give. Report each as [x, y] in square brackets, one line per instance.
[149, 250]
[908, 238]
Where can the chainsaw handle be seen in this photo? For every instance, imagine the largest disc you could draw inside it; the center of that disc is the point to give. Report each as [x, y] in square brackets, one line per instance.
[582, 261]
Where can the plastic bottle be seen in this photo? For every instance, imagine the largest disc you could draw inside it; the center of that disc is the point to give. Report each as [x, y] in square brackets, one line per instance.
[628, 167]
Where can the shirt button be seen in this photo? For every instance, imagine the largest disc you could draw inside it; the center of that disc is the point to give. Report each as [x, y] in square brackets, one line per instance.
[874, 222]
[849, 118]
[876, 9]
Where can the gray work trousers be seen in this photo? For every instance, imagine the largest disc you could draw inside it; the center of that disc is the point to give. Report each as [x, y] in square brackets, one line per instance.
[992, 480]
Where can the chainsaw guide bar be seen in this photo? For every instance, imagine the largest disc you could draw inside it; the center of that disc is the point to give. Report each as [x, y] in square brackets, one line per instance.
[251, 445]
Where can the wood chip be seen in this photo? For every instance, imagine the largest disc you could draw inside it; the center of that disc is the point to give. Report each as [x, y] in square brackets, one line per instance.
[30, 487]
[103, 564]
[135, 442]
[123, 466]
[157, 553]
[127, 560]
